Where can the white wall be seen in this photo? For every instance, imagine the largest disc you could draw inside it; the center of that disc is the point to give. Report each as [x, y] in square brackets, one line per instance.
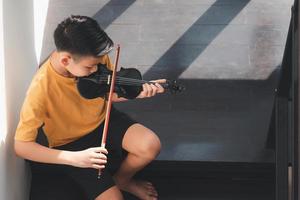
[20, 64]
[3, 122]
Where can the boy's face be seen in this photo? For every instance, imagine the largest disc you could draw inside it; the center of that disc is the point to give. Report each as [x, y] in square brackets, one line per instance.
[82, 66]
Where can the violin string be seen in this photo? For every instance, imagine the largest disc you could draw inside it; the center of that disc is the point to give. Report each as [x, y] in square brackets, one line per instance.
[121, 82]
[124, 78]
[118, 81]
[129, 83]
[135, 84]
[130, 79]
[132, 83]
[126, 81]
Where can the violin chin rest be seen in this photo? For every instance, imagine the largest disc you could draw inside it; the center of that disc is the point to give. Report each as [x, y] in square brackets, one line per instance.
[89, 89]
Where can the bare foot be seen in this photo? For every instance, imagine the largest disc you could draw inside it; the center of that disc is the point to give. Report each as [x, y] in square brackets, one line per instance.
[142, 189]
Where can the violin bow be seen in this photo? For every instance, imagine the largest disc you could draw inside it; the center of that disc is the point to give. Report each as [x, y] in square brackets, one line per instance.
[111, 81]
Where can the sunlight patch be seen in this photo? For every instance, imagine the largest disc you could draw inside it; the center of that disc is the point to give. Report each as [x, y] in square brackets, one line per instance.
[40, 16]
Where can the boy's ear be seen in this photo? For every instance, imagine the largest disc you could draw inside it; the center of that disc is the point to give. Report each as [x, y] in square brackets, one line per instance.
[65, 59]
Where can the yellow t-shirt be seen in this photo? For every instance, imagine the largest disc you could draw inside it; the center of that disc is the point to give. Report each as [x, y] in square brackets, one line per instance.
[53, 100]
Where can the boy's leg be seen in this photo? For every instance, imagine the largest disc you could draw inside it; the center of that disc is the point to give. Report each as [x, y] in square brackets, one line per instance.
[142, 146]
[112, 193]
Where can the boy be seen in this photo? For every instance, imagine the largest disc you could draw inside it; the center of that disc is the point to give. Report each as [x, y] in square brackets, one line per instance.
[73, 124]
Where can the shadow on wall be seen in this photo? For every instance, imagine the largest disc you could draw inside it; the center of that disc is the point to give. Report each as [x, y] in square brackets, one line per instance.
[182, 53]
[106, 15]
[20, 65]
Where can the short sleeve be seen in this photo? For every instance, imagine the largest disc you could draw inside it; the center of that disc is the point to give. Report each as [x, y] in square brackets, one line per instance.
[32, 114]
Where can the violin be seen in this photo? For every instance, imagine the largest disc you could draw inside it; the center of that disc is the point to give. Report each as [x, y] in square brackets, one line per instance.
[128, 83]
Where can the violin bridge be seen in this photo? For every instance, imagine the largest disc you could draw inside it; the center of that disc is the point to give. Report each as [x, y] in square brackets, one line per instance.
[108, 79]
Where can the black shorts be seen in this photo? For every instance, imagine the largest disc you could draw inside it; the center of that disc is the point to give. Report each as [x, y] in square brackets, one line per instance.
[51, 181]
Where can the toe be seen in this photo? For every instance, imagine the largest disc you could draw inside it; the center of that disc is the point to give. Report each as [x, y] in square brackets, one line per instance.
[152, 193]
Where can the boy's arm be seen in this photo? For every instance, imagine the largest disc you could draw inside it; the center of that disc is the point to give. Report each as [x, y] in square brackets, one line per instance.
[36, 152]
[89, 158]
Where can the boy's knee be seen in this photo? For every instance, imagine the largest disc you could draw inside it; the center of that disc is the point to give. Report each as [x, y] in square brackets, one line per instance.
[150, 148]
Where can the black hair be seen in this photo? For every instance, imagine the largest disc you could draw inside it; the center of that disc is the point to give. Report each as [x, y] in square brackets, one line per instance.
[82, 36]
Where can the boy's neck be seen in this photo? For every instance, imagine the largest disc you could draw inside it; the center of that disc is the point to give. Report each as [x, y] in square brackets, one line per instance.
[54, 60]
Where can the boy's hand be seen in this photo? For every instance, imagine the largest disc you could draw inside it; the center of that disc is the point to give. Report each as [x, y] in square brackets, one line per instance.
[90, 158]
[150, 90]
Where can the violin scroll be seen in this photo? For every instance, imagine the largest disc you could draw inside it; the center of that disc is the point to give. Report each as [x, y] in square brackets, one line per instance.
[174, 87]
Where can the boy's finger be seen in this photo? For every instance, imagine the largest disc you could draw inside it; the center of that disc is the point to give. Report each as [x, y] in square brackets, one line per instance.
[95, 166]
[100, 155]
[100, 150]
[98, 161]
[160, 81]
[160, 88]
